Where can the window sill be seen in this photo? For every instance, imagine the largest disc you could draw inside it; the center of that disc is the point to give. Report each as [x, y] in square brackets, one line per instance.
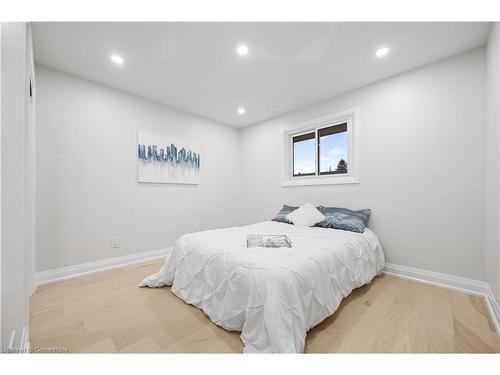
[311, 181]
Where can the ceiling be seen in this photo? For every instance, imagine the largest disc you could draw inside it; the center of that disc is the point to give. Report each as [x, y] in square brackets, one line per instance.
[195, 67]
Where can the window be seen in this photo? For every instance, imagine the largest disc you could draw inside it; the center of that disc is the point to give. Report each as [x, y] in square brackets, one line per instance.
[321, 151]
[304, 151]
[332, 149]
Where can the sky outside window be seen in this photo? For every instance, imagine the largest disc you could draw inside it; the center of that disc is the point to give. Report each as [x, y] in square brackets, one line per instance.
[303, 157]
[333, 149]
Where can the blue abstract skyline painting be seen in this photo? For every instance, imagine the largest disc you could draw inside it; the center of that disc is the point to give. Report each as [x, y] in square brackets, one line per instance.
[162, 159]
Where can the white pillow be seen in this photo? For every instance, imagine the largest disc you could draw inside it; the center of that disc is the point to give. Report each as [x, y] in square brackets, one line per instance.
[306, 216]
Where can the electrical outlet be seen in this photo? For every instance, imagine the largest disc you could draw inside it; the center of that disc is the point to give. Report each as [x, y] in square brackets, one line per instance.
[115, 242]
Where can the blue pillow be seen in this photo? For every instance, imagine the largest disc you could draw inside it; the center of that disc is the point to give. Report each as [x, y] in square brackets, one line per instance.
[281, 216]
[345, 219]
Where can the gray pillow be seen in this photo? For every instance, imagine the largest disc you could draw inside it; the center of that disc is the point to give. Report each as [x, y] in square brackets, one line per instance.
[281, 216]
[345, 219]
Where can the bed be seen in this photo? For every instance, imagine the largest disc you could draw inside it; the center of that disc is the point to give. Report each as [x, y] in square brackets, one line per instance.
[272, 295]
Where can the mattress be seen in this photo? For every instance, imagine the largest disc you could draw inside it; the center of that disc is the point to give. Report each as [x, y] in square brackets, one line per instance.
[272, 295]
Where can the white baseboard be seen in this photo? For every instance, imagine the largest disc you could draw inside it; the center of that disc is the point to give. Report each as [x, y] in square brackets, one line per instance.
[443, 280]
[12, 339]
[429, 277]
[25, 340]
[64, 273]
[19, 347]
[494, 309]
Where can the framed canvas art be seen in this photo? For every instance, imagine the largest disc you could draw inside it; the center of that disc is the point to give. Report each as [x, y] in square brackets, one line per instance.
[162, 159]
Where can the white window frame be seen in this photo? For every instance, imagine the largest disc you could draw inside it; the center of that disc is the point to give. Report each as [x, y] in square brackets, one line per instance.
[351, 117]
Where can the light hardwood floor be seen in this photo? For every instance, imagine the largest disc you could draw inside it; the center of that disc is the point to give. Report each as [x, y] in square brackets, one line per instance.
[106, 312]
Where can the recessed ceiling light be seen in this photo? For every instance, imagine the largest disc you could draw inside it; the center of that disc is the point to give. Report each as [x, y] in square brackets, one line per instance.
[241, 111]
[242, 50]
[381, 52]
[117, 59]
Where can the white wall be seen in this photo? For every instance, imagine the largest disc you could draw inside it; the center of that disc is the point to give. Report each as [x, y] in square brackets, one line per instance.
[422, 137]
[30, 163]
[13, 216]
[492, 253]
[422, 170]
[1, 307]
[87, 189]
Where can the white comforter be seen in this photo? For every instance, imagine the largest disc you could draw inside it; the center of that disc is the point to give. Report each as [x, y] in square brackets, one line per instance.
[273, 296]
